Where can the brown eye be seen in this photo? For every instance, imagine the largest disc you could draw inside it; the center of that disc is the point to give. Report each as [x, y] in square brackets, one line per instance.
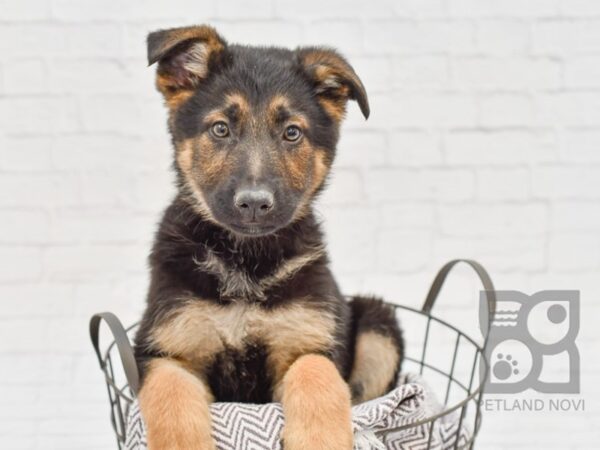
[292, 133]
[220, 129]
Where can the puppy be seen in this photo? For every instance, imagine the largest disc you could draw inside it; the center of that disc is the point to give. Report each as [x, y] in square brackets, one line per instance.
[242, 305]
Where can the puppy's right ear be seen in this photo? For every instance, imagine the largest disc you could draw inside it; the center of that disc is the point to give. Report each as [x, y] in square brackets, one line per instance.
[185, 57]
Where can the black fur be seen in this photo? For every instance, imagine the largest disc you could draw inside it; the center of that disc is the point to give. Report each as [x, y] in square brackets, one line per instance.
[241, 376]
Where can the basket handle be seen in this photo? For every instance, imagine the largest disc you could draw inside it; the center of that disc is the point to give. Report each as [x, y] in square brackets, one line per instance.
[123, 346]
[486, 281]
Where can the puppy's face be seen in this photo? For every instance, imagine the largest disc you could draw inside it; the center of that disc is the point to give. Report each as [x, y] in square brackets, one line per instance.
[254, 129]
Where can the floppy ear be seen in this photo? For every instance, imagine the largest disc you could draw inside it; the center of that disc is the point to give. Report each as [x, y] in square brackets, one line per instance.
[185, 56]
[335, 81]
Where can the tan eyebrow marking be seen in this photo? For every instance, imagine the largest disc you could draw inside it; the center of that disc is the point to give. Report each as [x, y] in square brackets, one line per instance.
[215, 116]
[234, 101]
[299, 120]
[280, 104]
[277, 102]
[239, 100]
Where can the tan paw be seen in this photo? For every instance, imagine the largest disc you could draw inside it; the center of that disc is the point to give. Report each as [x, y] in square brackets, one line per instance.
[317, 408]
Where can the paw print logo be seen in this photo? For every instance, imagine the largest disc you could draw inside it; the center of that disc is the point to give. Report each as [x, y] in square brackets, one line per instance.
[505, 367]
[510, 363]
[528, 334]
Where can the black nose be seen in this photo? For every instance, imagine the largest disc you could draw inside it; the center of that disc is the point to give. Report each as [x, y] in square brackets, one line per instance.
[253, 203]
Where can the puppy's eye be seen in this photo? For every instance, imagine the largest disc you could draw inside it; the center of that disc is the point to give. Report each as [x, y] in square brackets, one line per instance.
[220, 129]
[292, 133]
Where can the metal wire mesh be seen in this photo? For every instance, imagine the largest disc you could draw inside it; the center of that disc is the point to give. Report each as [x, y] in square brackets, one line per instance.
[120, 394]
[462, 395]
[417, 359]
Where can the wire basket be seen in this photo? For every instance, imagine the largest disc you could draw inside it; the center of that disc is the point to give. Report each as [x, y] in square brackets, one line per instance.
[456, 379]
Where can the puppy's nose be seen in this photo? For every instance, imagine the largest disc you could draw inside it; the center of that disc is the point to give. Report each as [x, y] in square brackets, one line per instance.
[253, 203]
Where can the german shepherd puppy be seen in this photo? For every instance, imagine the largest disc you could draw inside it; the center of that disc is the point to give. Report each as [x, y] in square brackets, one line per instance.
[242, 305]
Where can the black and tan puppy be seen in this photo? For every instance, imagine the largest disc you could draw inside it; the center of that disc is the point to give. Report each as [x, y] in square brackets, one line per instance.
[242, 304]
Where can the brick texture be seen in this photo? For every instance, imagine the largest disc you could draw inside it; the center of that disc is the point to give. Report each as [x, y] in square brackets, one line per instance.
[484, 142]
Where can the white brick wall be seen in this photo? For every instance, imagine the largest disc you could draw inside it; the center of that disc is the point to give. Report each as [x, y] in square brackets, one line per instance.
[484, 142]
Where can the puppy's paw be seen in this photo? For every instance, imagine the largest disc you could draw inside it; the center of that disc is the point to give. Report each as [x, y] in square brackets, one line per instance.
[174, 404]
[325, 437]
[317, 408]
[177, 440]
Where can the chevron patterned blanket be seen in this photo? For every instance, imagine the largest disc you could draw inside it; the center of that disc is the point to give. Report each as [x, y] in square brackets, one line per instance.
[257, 427]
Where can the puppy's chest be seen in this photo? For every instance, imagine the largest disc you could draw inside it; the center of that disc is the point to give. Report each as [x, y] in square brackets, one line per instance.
[238, 282]
[202, 332]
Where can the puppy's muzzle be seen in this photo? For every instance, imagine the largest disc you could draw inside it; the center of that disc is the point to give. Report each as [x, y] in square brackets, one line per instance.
[254, 204]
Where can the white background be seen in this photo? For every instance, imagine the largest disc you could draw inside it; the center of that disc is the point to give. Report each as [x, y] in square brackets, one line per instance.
[483, 142]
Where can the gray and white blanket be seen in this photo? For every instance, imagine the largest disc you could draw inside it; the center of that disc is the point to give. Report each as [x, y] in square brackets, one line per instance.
[257, 427]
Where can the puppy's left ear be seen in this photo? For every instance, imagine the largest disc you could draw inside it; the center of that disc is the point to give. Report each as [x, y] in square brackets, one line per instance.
[335, 81]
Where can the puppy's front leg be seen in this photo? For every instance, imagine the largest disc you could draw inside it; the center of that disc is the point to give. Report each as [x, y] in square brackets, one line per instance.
[317, 407]
[175, 406]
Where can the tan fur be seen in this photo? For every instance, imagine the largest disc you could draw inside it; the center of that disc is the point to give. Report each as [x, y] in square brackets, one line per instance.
[319, 172]
[280, 102]
[173, 97]
[275, 104]
[320, 169]
[333, 74]
[214, 164]
[198, 56]
[205, 43]
[239, 285]
[375, 363]
[211, 164]
[296, 165]
[295, 333]
[185, 156]
[203, 33]
[292, 265]
[330, 77]
[214, 116]
[185, 161]
[175, 407]
[239, 100]
[316, 405]
[196, 67]
[334, 108]
[199, 330]
[233, 284]
[328, 66]
[304, 164]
